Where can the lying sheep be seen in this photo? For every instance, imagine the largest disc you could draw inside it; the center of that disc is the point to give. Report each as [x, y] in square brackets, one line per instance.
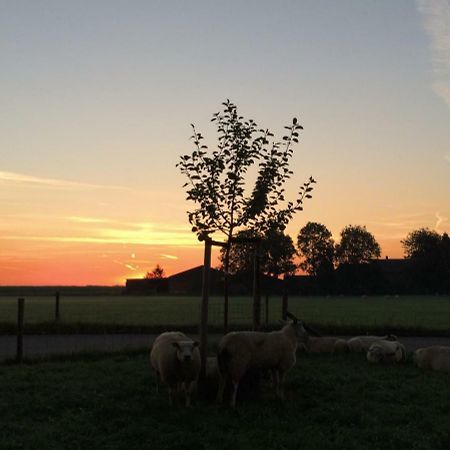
[362, 343]
[239, 352]
[176, 361]
[384, 351]
[436, 357]
[326, 345]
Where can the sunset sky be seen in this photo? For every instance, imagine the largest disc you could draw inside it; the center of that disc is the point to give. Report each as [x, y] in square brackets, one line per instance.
[96, 98]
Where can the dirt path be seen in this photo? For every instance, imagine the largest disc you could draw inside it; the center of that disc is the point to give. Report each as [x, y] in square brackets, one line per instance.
[40, 346]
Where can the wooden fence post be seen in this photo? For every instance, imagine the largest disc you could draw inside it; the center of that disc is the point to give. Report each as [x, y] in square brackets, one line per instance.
[267, 311]
[256, 289]
[285, 300]
[57, 306]
[20, 314]
[203, 332]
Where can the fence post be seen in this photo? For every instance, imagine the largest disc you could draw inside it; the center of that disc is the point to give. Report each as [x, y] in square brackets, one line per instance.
[204, 308]
[256, 289]
[20, 314]
[267, 311]
[57, 306]
[285, 300]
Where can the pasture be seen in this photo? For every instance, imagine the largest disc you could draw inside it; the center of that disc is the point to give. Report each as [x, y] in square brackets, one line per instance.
[332, 402]
[408, 314]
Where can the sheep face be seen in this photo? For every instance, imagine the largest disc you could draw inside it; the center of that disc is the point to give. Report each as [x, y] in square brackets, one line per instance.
[185, 350]
[300, 331]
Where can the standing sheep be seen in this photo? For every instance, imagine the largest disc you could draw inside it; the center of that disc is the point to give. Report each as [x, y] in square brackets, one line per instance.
[384, 351]
[239, 352]
[362, 343]
[436, 357]
[176, 361]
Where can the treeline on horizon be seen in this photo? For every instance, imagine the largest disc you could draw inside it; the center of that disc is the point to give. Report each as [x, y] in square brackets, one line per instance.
[351, 266]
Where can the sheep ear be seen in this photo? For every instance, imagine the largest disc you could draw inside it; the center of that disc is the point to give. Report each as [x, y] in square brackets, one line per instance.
[292, 317]
[196, 344]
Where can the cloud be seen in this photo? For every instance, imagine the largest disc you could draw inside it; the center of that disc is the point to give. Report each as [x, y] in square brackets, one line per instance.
[19, 178]
[439, 220]
[436, 16]
[79, 219]
[169, 256]
[447, 157]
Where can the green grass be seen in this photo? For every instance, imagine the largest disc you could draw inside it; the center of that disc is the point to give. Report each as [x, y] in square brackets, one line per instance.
[417, 314]
[332, 402]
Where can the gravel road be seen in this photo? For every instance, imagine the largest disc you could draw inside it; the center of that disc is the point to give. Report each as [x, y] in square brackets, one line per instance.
[36, 346]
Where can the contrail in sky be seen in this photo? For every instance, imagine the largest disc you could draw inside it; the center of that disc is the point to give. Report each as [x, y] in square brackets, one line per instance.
[436, 15]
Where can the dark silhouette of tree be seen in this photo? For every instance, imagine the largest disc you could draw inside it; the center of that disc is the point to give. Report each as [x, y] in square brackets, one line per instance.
[422, 243]
[316, 246]
[157, 272]
[429, 254]
[357, 246]
[216, 180]
[276, 254]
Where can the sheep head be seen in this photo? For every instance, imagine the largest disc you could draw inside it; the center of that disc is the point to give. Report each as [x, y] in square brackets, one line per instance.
[298, 327]
[185, 350]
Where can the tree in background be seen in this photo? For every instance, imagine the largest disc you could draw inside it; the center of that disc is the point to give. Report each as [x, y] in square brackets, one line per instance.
[216, 181]
[429, 253]
[357, 246]
[316, 247]
[156, 273]
[276, 254]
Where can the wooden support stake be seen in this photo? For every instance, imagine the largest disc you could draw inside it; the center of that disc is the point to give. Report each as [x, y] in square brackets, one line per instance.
[57, 306]
[203, 332]
[20, 314]
[285, 300]
[256, 289]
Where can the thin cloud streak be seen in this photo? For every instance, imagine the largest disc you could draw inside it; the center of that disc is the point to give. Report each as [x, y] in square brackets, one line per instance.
[169, 256]
[436, 15]
[19, 178]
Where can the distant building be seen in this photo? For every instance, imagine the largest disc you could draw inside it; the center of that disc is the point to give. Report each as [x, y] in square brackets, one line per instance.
[189, 282]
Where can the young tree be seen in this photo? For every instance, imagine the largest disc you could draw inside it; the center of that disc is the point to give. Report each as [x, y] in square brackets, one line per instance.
[157, 272]
[216, 181]
[357, 246]
[316, 246]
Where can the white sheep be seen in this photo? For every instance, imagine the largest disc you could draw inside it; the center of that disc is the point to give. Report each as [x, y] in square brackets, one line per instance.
[384, 351]
[362, 343]
[275, 351]
[176, 361]
[436, 357]
[326, 345]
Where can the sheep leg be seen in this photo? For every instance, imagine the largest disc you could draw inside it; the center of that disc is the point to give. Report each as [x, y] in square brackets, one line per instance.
[221, 389]
[276, 380]
[280, 392]
[234, 394]
[157, 381]
[188, 387]
[171, 395]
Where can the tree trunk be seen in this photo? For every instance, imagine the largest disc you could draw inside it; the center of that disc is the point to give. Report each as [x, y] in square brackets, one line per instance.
[225, 288]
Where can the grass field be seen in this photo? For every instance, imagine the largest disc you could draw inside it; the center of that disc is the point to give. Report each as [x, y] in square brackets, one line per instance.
[416, 314]
[332, 402]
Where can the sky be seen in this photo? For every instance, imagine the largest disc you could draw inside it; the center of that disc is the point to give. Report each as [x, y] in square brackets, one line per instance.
[97, 97]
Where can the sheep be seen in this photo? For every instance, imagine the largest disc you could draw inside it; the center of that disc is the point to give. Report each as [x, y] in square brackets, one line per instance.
[436, 357]
[326, 345]
[238, 352]
[362, 343]
[175, 360]
[384, 351]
